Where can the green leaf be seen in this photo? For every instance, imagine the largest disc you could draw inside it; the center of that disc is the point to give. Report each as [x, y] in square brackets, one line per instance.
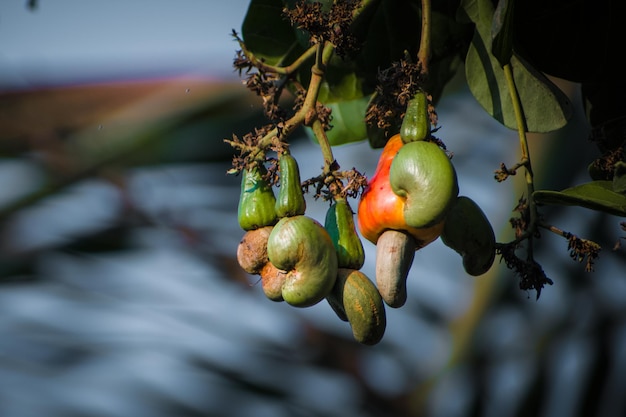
[594, 195]
[545, 106]
[347, 122]
[343, 94]
[268, 35]
[340, 84]
[502, 32]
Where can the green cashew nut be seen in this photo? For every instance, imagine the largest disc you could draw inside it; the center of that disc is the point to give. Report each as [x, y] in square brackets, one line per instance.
[256, 201]
[340, 226]
[301, 248]
[356, 299]
[290, 200]
[422, 173]
[468, 231]
[416, 122]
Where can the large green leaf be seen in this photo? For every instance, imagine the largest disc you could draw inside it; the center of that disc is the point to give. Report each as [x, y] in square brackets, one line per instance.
[345, 99]
[546, 107]
[595, 195]
[347, 122]
[502, 32]
[268, 34]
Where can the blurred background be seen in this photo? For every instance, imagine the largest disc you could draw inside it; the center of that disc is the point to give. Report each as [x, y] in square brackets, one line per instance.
[120, 294]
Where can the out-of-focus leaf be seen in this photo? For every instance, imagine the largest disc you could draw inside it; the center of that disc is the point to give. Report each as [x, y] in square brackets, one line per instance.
[347, 122]
[546, 107]
[268, 34]
[502, 32]
[595, 195]
[348, 105]
[340, 86]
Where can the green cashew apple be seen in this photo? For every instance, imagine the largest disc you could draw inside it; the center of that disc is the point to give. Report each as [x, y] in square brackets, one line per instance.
[290, 200]
[340, 226]
[422, 173]
[256, 201]
[381, 209]
[355, 299]
[404, 207]
[468, 231]
[416, 122]
[301, 248]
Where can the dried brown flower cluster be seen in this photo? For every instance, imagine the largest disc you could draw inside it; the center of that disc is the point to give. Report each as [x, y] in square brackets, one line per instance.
[610, 137]
[332, 25]
[583, 250]
[396, 86]
[262, 81]
[327, 186]
[248, 143]
[503, 173]
[604, 166]
[531, 275]
[521, 223]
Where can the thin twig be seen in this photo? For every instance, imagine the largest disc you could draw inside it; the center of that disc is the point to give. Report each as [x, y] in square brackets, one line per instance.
[423, 55]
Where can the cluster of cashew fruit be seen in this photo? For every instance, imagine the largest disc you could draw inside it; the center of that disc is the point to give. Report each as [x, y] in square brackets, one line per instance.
[301, 261]
[410, 201]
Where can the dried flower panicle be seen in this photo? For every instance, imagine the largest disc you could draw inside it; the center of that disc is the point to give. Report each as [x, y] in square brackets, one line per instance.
[324, 115]
[521, 223]
[503, 173]
[610, 138]
[344, 184]
[396, 86]
[332, 25]
[439, 142]
[531, 275]
[260, 80]
[242, 63]
[355, 183]
[604, 166]
[244, 146]
[583, 250]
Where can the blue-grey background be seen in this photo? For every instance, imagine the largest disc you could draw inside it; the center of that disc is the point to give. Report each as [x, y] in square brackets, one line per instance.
[68, 41]
[162, 321]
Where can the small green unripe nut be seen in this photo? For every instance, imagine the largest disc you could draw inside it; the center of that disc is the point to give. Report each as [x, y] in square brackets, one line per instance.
[290, 200]
[416, 122]
[256, 201]
[340, 226]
